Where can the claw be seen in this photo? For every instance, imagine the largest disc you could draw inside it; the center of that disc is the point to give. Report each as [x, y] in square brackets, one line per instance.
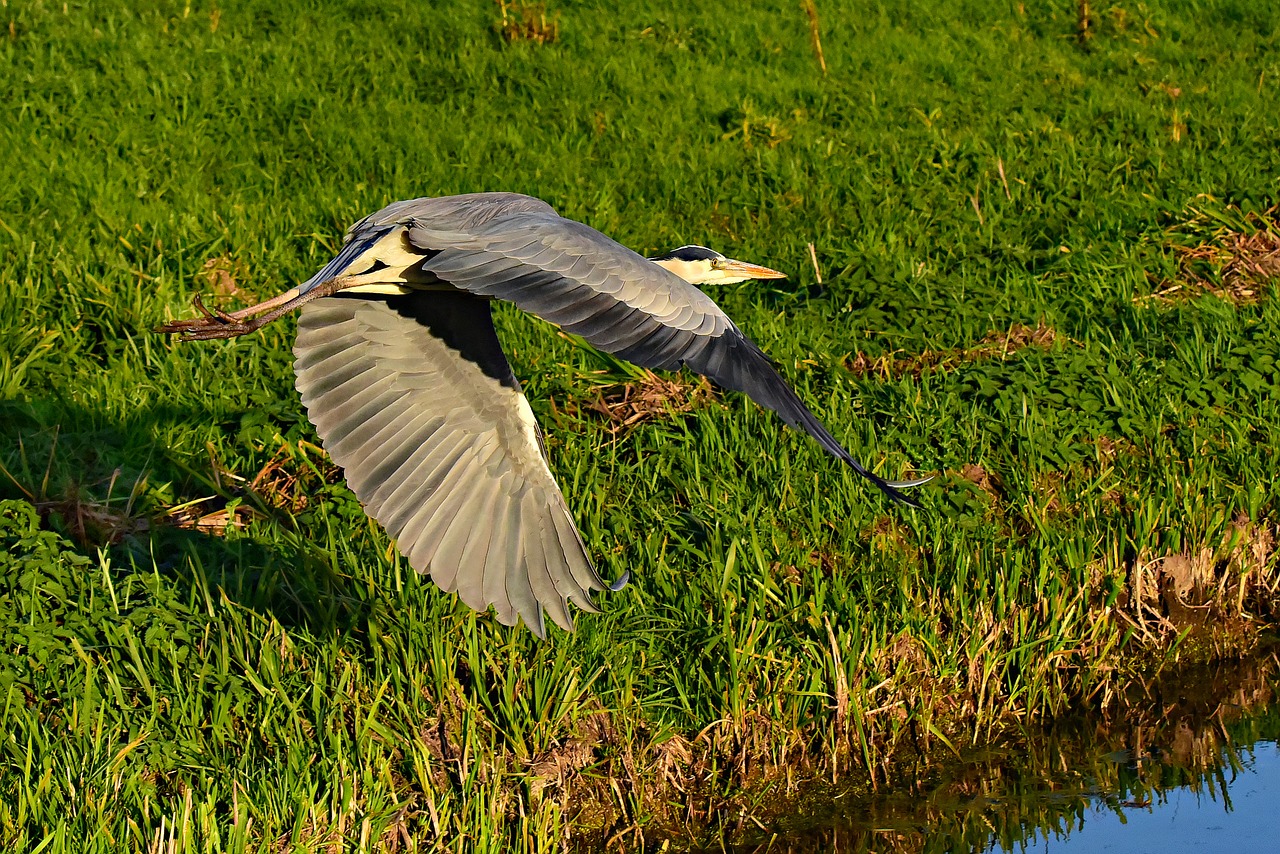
[217, 323]
[199, 305]
[215, 314]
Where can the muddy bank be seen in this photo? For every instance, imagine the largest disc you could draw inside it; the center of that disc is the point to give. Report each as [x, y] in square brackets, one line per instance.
[1165, 649]
[1183, 728]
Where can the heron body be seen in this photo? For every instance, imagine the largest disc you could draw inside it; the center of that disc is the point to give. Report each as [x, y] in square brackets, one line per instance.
[404, 378]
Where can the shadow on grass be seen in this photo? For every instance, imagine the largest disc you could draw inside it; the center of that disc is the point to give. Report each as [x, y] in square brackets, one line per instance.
[116, 486]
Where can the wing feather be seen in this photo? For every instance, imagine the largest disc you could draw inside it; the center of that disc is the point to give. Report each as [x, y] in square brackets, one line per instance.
[383, 425]
[401, 506]
[413, 397]
[514, 567]
[539, 562]
[391, 462]
[579, 565]
[425, 528]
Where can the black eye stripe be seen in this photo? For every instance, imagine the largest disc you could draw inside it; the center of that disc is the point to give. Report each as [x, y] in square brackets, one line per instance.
[689, 253]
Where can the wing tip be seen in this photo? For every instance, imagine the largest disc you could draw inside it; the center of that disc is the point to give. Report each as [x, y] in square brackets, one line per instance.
[894, 488]
[537, 623]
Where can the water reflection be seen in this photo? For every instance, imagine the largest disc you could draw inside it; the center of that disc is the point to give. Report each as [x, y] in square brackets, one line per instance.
[1236, 811]
[1192, 764]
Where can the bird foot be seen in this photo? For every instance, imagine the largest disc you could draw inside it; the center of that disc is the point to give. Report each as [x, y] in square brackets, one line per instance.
[216, 323]
[210, 324]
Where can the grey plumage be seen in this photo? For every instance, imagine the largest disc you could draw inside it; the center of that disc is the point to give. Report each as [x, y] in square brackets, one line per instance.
[431, 431]
[402, 373]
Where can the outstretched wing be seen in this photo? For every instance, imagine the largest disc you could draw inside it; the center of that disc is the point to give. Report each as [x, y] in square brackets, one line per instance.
[516, 248]
[414, 398]
[574, 276]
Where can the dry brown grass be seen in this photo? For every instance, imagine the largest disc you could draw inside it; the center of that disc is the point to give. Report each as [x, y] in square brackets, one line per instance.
[207, 517]
[653, 397]
[996, 345]
[1084, 21]
[527, 22]
[815, 34]
[1213, 592]
[982, 479]
[224, 275]
[290, 478]
[87, 520]
[1111, 449]
[286, 483]
[335, 833]
[95, 523]
[1236, 263]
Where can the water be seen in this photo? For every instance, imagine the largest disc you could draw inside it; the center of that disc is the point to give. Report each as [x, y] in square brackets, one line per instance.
[1236, 811]
[1191, 764]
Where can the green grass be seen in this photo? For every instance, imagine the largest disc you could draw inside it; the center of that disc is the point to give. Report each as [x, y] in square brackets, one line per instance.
[292, 684]
[1053, 780]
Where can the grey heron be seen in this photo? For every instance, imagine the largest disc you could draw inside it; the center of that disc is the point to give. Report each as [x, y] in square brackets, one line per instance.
[403, 376]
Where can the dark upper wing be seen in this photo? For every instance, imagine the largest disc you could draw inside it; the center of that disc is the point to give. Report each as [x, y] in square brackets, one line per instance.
[574, 276]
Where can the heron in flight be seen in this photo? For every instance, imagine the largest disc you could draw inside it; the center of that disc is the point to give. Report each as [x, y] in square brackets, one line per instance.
[402, 374]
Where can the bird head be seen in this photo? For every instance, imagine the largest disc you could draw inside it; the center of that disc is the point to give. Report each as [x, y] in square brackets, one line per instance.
[699, 265]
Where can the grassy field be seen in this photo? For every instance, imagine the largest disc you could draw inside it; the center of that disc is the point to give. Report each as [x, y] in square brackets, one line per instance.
[1047, 266]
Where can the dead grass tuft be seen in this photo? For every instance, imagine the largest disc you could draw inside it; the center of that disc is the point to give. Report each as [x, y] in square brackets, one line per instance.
[995, 345]
[286, 483]
[1236, 263]
[982, 479]
[90, 522]
[653, 397]
[329, 833]
[559, 764]
[1216, 591]
[1110, 449]
[527, 22]
[207, 517]
[815, 34]
[224, 274]
[290, 478]
[674, 758]
[889, 535]
[825, 558]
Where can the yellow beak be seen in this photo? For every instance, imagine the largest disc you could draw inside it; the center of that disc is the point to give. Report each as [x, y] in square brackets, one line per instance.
[751, 271]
